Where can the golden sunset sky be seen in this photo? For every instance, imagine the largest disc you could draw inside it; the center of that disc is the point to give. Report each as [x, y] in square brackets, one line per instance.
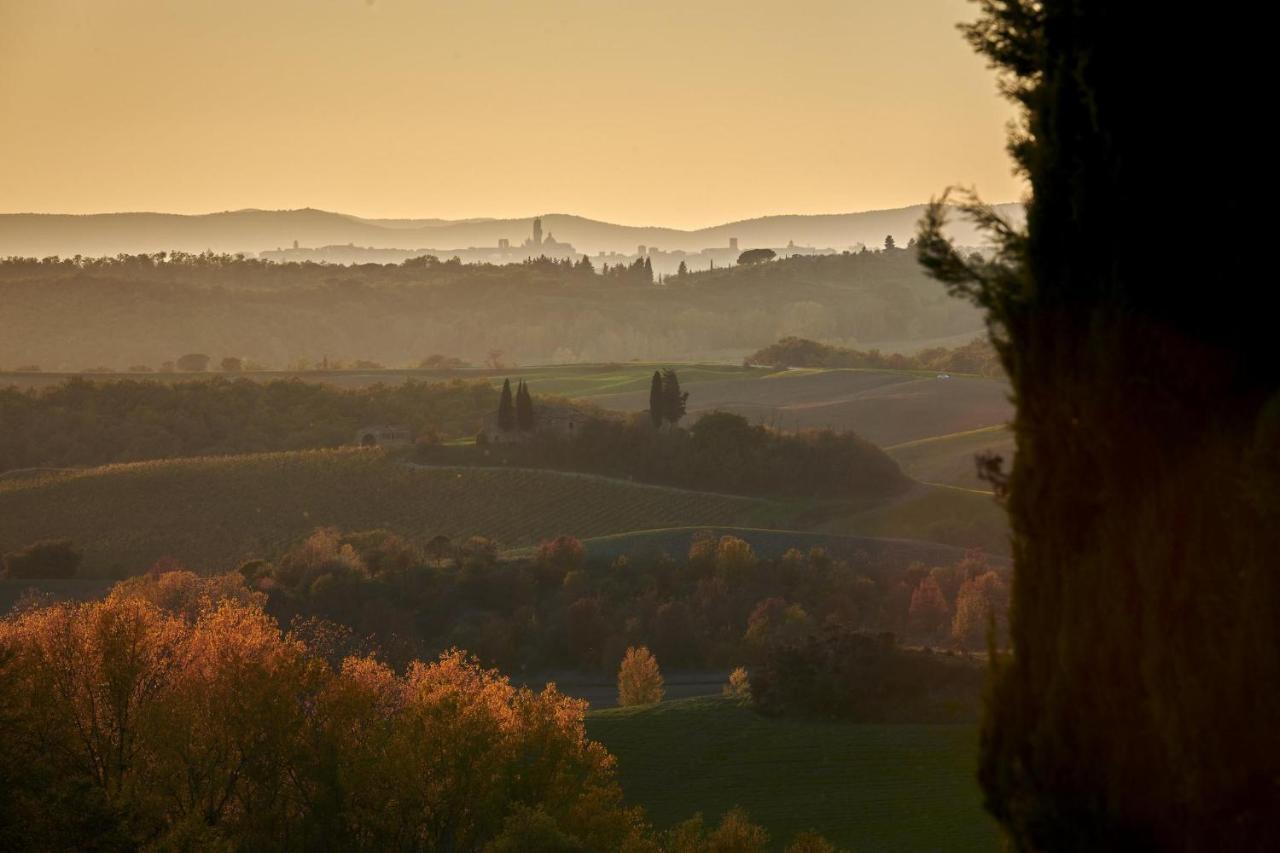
[672, 112]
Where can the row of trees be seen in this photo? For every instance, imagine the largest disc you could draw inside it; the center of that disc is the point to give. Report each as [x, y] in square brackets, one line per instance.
[639, 271]
[719, 605]
[199, 363]
[720, 452]
[83, 422]
[977, 356]
[175, 714]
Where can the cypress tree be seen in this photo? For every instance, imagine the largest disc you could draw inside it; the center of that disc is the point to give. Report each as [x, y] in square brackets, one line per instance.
[656, 399]
[1138, 708]
[524, 408]
[673, 400]
[506, 411]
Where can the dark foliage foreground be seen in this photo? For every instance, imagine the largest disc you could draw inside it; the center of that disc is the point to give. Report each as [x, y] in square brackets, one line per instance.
[867, 678]
[1138, 708]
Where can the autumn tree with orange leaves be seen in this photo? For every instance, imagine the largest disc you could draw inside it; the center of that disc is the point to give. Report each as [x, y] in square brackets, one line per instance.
[197, 724]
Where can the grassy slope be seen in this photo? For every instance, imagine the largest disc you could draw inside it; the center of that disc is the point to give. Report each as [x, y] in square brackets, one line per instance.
[211, 512]
[934, 427]
[945, 514]
[881, 787]
[949, 459]
[885, 407]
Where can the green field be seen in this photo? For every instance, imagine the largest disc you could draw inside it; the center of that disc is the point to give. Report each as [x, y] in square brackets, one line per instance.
[865, 787]
[211, 512]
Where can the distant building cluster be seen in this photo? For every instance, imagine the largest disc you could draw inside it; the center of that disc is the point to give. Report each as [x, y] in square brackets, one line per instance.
[664, 263]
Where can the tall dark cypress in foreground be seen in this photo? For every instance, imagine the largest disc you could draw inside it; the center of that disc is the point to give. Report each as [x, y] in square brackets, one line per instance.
[655, 399]
[506, 410]
[1139, 708]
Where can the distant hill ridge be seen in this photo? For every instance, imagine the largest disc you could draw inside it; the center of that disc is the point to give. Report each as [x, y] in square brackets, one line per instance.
[252, 231]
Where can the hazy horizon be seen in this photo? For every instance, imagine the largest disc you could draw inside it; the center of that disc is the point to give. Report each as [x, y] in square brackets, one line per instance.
[429, 218]
[678, 117]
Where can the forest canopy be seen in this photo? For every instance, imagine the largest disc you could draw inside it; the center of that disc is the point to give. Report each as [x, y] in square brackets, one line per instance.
[73, 314]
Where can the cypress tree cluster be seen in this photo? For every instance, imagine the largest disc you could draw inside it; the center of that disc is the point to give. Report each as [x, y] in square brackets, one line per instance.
[524, 408]
[655, 399]
[506, 410]
[517, 414]
[666, 401]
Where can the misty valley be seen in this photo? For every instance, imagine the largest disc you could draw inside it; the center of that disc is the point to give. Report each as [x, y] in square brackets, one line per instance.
[569, 427]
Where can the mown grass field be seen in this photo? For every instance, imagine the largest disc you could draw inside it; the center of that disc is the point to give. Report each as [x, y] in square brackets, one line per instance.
[211, 512]
[891, 788]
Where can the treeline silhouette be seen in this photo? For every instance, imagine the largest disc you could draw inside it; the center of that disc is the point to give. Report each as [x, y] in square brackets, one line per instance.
[716, 605]
[977, 356]
[865, 678]
[83, 422]
[145, 310]
[720, 452]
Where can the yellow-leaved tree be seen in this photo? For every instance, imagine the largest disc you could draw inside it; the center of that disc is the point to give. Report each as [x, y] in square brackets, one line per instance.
[639, 679]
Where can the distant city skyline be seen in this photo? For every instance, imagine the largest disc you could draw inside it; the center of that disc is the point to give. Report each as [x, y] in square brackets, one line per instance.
[685, 116]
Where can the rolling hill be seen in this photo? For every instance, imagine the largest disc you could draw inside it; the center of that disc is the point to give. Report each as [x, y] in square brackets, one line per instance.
[252, 231]
[949, 459]
[211, 512]
[885, 407]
